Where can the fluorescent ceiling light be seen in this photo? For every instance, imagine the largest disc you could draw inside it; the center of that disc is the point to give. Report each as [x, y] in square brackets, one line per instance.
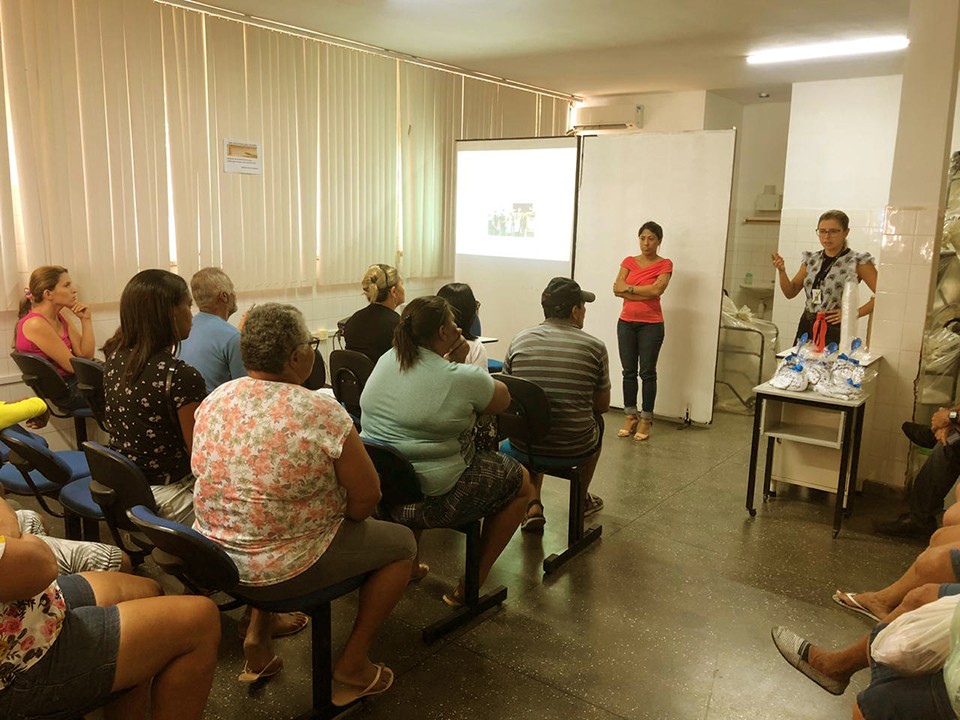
[842, 48]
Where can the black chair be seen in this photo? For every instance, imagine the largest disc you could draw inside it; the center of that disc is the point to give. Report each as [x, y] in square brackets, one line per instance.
[117, 486]
[528, 419]
[318, 377]
[67, 478]
[399, 486]
[89, 374]
[39, 375]
[202, 565]
[349, 371]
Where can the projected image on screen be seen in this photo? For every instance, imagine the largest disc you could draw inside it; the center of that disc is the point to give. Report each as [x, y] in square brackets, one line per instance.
[516, 201]
[517, 222]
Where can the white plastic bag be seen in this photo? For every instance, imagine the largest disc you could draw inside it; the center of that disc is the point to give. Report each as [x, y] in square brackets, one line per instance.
[917, 642]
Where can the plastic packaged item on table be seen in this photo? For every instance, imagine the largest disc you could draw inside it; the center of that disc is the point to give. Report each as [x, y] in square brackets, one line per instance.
[820, 368]
[790, 375]
[847, 376]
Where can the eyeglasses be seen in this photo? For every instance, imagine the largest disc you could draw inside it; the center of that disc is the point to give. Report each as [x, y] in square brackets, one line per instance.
[828, 232]
[314, 343]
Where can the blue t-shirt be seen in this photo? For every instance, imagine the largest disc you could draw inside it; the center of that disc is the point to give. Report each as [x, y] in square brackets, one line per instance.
[213, 348]
[427, 412]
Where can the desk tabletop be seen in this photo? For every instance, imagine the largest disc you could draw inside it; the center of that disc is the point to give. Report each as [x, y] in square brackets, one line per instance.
[811, 396]
[485, 340]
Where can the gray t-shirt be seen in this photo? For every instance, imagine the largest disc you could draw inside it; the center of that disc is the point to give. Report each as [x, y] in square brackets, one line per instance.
[426, 412]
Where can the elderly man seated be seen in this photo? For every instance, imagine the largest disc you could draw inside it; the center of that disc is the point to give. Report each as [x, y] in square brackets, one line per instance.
[213, 346]
[572, 368]
[285, 485]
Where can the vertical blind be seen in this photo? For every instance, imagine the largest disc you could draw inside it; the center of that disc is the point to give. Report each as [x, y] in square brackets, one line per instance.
[111, 144]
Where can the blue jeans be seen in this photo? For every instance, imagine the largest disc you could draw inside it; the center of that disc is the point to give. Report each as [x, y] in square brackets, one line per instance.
[639, 345]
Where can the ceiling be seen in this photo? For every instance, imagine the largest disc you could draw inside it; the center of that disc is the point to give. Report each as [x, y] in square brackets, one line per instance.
[608, 47]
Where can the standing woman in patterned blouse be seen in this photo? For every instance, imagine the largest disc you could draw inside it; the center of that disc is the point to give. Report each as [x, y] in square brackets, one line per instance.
[822, 276]
[150, 395]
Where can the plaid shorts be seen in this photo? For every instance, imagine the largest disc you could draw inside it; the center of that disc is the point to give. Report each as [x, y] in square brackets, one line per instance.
[487, 486]
[73, 556]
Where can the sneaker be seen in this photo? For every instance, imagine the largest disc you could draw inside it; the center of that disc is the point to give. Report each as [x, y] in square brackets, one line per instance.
[594, 505]
[907, 525]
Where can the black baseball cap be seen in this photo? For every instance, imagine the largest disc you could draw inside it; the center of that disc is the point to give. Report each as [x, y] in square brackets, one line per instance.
[563, 294]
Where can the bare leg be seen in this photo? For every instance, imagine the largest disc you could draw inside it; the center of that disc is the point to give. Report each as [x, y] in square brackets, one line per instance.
[933, 565]
[418, 570]
[180, 659]
[258, 641]
[500, 527]
[114, 588]
[378, 596]
[587, 468]
[947, 535]
[857, 715]
[952, 515]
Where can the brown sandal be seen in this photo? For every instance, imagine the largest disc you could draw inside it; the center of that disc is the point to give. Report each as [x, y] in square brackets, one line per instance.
[629, 426]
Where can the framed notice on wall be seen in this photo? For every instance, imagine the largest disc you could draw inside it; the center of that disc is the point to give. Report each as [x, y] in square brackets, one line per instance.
[242, 157]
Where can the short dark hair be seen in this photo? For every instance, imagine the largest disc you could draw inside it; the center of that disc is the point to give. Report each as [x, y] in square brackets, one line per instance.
[839, 215]
[147, 323]
[464, 304]
[652, 227]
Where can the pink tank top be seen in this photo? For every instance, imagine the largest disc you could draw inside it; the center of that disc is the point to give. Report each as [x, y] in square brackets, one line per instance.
[26, 345]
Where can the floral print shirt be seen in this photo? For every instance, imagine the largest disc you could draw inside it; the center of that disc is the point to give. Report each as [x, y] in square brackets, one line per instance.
[141, 417]
[28, 628]
[267, 491]
[831, 288]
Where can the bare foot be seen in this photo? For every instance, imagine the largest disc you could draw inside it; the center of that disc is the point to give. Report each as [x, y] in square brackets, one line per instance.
[822, 660]
[359, 678]
[869, 601]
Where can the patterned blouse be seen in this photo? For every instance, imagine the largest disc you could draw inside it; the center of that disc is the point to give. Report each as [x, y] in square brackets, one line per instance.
[267, 490]
[832, 285]
[139, 414]
[28, 628]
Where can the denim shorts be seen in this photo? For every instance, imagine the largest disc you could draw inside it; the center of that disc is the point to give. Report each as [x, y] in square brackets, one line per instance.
[893, 697]
[76, 674]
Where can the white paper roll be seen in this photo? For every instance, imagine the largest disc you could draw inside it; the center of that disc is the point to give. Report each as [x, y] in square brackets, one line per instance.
[849, 306]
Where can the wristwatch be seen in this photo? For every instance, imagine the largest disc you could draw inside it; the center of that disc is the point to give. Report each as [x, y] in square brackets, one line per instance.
[954, 416]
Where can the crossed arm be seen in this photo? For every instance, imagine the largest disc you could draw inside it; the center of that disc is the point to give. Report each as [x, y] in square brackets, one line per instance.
[639, 292]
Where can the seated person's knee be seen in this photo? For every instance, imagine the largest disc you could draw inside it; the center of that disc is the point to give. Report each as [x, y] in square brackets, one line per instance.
[921, 596]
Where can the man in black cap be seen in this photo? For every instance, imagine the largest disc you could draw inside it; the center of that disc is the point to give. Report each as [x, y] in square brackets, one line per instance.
[572, 368]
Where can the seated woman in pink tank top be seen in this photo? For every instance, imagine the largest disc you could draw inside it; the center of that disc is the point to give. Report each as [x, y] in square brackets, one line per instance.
[44, 329]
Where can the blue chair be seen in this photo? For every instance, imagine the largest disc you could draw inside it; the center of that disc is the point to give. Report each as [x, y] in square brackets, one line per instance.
[528, 419]
[118, 485]
[494, 366]
[39, 375]
[202, 565]
[64, 475]
[399, 486]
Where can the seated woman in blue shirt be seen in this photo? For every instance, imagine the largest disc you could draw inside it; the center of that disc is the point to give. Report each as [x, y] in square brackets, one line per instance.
[423, 400]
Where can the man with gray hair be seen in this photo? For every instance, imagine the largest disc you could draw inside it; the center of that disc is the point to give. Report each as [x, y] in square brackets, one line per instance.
[213, 347]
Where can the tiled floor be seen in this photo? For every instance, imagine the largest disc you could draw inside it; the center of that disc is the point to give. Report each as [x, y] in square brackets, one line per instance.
[668, 616]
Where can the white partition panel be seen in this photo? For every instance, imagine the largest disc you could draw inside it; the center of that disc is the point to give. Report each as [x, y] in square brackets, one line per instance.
[682, 181]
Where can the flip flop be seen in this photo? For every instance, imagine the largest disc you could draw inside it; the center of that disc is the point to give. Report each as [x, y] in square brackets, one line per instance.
[848, 601]
[302, 620]
[344, 693]
[533, 523]
[248, 677]
[454, 598]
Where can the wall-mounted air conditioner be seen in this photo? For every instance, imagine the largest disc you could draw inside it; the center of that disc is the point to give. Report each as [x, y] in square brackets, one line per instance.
[608, 117]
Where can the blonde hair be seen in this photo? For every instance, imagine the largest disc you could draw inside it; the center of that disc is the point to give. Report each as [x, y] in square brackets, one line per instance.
[377, 281]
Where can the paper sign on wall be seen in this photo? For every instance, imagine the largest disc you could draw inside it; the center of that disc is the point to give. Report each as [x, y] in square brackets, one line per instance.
[242, 157]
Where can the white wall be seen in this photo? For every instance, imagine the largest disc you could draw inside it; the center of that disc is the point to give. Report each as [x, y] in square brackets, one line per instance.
[762, 142]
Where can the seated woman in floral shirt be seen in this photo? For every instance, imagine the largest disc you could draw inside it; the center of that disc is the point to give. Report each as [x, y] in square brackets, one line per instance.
[285, 486]
[69, 644]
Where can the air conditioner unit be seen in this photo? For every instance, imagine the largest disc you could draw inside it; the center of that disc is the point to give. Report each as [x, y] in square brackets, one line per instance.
[608, 117]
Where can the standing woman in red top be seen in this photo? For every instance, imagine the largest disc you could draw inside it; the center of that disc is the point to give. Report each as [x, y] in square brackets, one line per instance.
[640, 282]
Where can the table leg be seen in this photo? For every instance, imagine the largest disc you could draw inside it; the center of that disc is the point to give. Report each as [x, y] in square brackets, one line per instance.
[768, 468]
[842, 480]
[855, 459]
[754, 450]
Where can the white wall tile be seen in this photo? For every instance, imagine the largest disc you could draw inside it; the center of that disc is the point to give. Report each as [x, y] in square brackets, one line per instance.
[897, 250]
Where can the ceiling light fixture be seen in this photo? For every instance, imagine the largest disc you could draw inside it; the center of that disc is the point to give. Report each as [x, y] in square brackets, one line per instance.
[841, 48]
[763, 95]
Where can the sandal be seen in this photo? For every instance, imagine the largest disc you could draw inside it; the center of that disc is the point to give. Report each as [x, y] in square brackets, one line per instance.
[629, 426]
[419, 572]
[345, 693]
[249, 677]
[455, 598]
[643, 432]
[301, 620]
[534, 521]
